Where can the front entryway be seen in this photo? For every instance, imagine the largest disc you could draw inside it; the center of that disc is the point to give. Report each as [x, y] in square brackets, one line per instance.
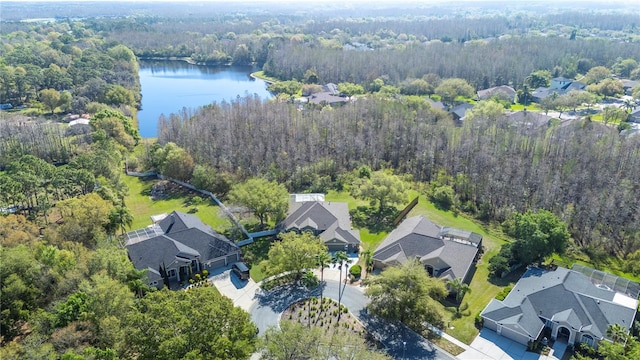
[563, 333]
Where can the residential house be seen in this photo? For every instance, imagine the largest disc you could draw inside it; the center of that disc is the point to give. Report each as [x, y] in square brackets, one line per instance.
[527, 119]
[577, 305]
[177, 246]
[459, 111]
[634, 116]
[503, 92]
[329, 96]
[328, 220]
[436, 104]
[446, 253]
[628, 85]
[559, 85]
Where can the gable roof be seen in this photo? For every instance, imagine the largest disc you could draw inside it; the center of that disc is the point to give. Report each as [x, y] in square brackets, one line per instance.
[326, 97]
[435, 104]
[459, 111]
[528, 119]
[508, 91]
[561, 295]
[177, 239]
[559, 85]
[418, 237]
[332, 219]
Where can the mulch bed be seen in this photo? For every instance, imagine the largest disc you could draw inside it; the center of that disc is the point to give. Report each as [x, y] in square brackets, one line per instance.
[325, 315]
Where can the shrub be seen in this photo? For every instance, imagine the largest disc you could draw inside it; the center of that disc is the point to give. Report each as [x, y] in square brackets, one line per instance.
[503, 294]
[443, 197]
[478, 321]
[355, 270]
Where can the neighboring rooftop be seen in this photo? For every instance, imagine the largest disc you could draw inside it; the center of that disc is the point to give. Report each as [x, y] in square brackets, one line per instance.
[501, 91]
[528, 119]
[580, 297]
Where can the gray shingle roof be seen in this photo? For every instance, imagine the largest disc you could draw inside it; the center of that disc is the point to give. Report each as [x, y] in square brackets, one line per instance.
[331, 219]
[508, 91]
[436, 104]
[562, 295]
[185, 237]
[528, 119]
[459, 111]
[417, 237]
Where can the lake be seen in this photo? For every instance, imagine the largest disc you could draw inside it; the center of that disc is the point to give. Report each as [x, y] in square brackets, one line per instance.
[168, 86]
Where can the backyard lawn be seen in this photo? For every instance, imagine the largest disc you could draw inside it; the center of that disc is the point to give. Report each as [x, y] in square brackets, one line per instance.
[482, 290]
[142, 206]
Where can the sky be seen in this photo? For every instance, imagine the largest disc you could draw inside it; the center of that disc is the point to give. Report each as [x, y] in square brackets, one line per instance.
[423, 2]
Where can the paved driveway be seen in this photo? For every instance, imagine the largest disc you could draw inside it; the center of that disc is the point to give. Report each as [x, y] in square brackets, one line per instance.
[266, 308]
[489, 345]
[241, 292]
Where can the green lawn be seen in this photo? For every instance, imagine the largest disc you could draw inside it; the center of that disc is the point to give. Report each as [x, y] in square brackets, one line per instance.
[482, 290]
[369, 240]
[260, 75]
[531, 106]
[142, 206]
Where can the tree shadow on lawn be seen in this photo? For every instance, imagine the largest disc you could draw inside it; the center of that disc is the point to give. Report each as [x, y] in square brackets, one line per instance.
[159, 189]
[374, 219]
[512, 277]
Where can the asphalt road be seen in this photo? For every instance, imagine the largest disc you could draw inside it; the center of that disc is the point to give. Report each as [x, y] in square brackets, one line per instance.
[400, 341]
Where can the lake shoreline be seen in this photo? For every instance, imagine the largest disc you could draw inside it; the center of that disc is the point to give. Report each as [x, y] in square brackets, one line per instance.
[170, 85]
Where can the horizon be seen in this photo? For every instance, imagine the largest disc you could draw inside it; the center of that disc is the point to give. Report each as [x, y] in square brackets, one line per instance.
[389, 2]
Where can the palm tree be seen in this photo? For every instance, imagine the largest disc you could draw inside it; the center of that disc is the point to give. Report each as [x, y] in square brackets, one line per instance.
[120, 217]
[340, 259]
[323, 259]
[459, 287]
[617, 333]
[629, 105]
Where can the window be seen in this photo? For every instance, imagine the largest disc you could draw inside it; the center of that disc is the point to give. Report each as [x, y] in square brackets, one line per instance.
[171, 273]
[588, 339]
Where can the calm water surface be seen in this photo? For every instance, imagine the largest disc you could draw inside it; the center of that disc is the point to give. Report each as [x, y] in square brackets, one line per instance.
[168, 86]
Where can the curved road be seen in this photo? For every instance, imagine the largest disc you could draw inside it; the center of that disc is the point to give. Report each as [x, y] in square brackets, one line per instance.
[401, 342]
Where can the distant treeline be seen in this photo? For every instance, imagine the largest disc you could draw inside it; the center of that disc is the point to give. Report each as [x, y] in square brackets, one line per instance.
[482, 64]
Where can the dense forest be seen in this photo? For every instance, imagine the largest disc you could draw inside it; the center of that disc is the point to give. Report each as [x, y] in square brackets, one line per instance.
[68, 289]
[584, 171]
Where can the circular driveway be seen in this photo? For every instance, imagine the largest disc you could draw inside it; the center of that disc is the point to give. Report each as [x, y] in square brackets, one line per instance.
[266, 308]
[268, 305]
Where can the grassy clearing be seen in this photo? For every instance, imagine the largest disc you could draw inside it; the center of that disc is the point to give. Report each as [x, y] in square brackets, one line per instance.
[531, 106]
[369, 240]
[254, 254]
[261, 75]
[142, 206]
